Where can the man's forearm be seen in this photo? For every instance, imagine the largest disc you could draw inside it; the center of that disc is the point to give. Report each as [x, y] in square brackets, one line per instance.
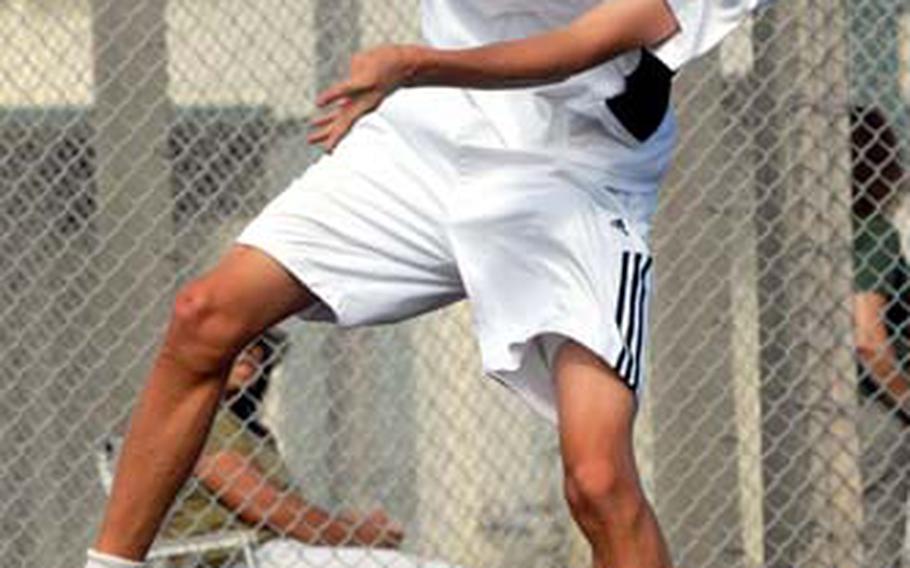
[241, 486]
[596, 37]
[887, 374]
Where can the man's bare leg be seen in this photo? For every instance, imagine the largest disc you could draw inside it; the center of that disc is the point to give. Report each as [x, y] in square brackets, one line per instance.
[213, 319]
[596, 415]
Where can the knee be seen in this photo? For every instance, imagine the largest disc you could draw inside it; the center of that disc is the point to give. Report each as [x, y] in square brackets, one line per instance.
[602, 490]
[203, 334]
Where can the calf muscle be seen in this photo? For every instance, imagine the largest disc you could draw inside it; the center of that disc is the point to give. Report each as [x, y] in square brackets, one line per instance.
[167, 432]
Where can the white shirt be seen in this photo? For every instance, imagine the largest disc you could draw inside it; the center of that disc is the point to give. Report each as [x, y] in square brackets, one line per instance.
[571, 120]
[703, 24]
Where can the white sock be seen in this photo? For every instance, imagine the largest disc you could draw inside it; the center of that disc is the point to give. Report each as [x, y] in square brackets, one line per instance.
[100, 560]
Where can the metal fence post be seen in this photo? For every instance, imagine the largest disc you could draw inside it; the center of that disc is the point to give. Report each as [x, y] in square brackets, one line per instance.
[813, 492]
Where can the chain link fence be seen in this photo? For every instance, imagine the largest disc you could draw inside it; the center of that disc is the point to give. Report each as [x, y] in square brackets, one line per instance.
[137, 138]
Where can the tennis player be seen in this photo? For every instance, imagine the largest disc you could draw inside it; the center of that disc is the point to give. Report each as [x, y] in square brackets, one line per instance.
[528, 189]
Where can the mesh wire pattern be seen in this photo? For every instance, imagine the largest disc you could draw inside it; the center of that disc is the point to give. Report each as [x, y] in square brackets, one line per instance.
[137, 139]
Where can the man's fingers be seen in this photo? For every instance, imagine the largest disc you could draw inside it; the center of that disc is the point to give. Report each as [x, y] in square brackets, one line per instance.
[333, 126]
[379, 515]
[334, 139]
[330, 130]
[323, 120]
[394, 530]
[336, 92]
[318, 136]
[327, 137]
[341, 125]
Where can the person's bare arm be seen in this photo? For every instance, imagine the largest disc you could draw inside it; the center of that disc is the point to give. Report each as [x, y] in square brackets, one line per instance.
[595, 37]
[875, 351]
[242, 487]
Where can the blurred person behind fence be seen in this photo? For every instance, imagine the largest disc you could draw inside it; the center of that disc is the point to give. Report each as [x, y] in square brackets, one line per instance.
[881, 307]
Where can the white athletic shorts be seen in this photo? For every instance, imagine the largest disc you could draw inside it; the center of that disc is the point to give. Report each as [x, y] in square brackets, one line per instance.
[423, 204]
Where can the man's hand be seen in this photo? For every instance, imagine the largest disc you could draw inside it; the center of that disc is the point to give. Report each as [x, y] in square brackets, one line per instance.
[374, 529]
[374, 75]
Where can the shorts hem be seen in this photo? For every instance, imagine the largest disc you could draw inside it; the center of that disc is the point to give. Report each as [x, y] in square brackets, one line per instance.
[537, 390]
[329, 297]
